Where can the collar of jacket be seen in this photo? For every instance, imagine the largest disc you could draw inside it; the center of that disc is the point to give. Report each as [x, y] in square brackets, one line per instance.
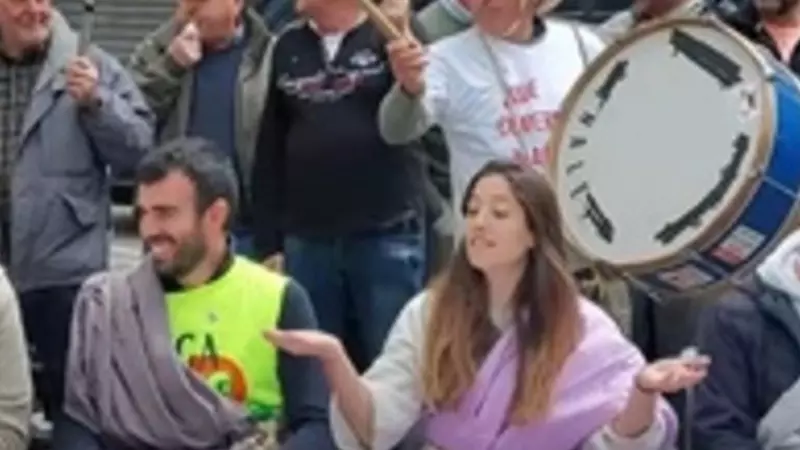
[457, 11]
[62, 46]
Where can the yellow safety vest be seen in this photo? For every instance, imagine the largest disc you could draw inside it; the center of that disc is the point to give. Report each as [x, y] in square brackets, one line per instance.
[217, 331]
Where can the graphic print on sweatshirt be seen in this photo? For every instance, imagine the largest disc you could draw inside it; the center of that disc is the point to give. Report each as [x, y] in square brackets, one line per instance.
[335, 80]
[324, 100]
[496, 99]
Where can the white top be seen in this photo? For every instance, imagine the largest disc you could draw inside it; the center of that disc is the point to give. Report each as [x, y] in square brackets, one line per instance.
[331, 42]
[395, 384]
[465, 96]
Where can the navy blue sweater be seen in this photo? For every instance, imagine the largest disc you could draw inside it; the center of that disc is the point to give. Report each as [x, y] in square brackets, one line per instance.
[212, 113]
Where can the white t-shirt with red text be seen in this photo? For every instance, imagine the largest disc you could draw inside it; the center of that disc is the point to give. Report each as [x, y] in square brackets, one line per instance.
[466, 98]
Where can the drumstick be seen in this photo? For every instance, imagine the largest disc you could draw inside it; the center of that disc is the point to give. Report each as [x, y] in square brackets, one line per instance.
[85, 38]
[377, 17]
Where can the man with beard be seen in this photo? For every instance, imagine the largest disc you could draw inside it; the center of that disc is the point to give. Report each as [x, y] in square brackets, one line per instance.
[643, 12]
[171, 355]
[66, 115]
[773, 24]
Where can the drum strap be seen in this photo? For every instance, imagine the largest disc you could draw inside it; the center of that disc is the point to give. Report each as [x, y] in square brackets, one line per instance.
[504, 86]
[498, 72]
[581, 45]
[594, 278]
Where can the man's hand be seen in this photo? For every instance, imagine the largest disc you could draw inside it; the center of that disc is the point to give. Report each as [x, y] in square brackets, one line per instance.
[407, 59]
[186, 49]
[82, 81]
[406, 55]
[274, 262]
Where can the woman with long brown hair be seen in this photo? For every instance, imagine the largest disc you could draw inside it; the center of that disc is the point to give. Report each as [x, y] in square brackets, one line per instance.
[502, 353]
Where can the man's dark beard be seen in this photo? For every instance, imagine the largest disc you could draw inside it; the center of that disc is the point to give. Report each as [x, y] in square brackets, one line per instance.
[31, 55]
[188, 255]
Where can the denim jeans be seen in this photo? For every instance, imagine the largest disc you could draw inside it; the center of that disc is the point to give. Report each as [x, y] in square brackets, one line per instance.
[71, 435]
[439, 244]
[359, 282]
[47, 314]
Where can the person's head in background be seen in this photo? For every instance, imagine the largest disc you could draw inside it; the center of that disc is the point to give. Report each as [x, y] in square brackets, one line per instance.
[331, 15]
[511, 269]
[315, 7]
[24, 26]
[217, 21]
[508, 19]
[778, 11]
[653, 9]
[186, 196]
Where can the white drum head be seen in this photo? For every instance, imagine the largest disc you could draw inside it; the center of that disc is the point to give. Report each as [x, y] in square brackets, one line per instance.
[647, 134]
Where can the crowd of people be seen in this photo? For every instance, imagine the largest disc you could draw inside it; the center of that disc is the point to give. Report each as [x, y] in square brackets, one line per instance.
[312, 278]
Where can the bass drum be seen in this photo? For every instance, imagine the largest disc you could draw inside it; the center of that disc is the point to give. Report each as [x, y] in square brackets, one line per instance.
[678, 157]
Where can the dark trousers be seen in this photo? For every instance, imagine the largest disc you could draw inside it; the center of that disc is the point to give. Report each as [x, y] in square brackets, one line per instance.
[359, 282]
[438, 249]
[46, 314]
[5, 240]
[71, 435]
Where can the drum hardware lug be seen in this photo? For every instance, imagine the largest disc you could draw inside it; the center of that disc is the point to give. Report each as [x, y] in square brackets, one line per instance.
[643, 287]
[655, 296]
[689, 255]
[757, 172]
[771, 75]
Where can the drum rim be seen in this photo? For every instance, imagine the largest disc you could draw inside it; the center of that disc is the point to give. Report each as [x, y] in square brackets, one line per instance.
[711, 290]
[730, 213]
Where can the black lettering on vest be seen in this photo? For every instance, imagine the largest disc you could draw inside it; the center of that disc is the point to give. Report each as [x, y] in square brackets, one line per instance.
[185, 338]
[210, 348]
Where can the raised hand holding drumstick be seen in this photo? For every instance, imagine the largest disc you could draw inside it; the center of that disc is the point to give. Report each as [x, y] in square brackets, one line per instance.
[408, 60]
[81, 72]
[406, 53]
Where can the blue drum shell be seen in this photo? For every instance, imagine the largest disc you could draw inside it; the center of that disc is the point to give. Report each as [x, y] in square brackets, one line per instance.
[770, 214]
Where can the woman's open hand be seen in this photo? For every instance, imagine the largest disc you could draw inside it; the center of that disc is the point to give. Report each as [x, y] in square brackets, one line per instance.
[312, 343]
[668, 376]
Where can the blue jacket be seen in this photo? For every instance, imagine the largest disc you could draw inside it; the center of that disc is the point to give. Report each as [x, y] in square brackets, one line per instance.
[753, 338]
